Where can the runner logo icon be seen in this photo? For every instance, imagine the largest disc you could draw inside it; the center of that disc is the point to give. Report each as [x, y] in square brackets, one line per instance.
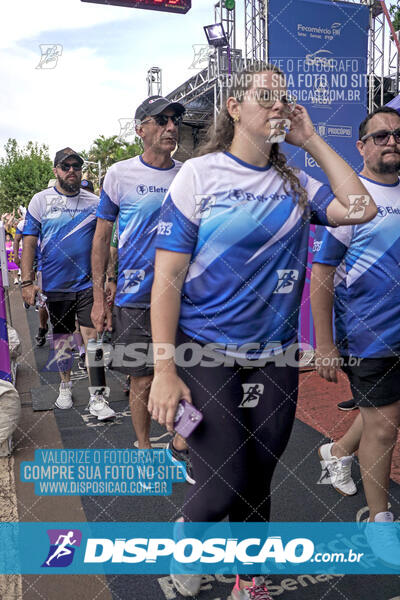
[63, 543]
[357, 204]
[287, 279]
[204, 202]
[133, 279]
[252, 394]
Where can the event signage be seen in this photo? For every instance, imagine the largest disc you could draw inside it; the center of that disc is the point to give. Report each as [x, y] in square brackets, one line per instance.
[173, 6]
[321, 47]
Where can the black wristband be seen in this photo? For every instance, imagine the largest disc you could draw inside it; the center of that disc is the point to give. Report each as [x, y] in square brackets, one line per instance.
[26, 283]
[111, 279]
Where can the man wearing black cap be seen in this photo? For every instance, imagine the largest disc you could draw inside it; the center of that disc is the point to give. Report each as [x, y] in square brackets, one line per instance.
[64, 220]
[87, 185]
[134, 190]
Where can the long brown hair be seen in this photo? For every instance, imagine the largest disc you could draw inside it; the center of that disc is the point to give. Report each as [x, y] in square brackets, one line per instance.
[219, 136]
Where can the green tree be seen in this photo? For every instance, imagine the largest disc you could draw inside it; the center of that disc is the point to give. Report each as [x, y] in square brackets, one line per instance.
[395, 16]
[109, 151]
[24, 171]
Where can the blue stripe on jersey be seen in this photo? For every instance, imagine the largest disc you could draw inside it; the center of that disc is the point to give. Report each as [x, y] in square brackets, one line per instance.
[32, 225]
[248, 241]
[134, 191]
[367, 289]
[185, 232]
[330, 249]
[106, 209]
[65, 227]
[319, 204]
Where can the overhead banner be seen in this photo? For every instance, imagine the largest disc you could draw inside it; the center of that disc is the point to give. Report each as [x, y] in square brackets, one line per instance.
[322, 47]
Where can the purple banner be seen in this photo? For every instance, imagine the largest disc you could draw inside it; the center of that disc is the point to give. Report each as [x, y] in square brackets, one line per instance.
[11, 266]
[5, 365]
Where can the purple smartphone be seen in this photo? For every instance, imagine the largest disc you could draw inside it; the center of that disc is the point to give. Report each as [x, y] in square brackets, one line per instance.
[187, 418]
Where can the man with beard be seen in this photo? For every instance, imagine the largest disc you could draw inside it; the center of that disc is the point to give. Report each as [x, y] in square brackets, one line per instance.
[359, 266]
[64, 220]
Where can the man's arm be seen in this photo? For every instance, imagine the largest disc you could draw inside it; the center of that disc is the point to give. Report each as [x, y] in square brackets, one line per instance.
[100, 256]
[112, 262]
[111, 284]
[322, 296]
[28, 255]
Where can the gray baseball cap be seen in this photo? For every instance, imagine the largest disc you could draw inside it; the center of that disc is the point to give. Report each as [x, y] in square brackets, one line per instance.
[154, 105]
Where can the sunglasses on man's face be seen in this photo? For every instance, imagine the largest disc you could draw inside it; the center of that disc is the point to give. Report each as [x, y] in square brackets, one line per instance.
[381, 138]
[162, 120]
[67, 167]
[267, 98]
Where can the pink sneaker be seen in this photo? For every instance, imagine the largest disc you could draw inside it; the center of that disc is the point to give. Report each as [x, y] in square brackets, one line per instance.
[257, 591]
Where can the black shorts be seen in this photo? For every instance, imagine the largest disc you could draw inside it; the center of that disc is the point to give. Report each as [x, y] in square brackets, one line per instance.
[374, 381]
[132, 341]
[64, 307]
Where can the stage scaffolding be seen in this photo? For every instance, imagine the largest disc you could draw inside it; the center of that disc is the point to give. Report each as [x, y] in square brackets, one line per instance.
[204, 93]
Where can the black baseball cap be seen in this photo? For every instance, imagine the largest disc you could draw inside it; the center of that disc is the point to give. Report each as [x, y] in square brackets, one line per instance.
[87, 185]
[65, 153]
[154, 105]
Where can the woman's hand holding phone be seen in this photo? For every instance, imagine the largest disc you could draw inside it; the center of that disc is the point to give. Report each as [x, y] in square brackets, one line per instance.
[166, 392]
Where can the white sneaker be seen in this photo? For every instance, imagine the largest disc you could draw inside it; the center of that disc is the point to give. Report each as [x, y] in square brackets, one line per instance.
[383, 536]
[338, 469]
[64, 399]
[187, 585]
[99, 407]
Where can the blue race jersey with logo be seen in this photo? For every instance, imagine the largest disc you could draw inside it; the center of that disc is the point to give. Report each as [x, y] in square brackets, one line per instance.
[65, 227]
[367, 289]
[248, 244]
[134, 191]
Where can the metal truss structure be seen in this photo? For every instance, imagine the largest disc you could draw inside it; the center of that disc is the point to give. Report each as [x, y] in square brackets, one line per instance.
[154, 82]
[255, 29]
[383, 57]
[203, 93]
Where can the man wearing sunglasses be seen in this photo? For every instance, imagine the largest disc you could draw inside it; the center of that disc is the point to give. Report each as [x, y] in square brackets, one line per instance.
[359, 267]
[64, 220]
[134, 190]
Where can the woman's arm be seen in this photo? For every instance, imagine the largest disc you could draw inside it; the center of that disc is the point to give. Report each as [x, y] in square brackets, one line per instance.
[167, 388]
[350, 193]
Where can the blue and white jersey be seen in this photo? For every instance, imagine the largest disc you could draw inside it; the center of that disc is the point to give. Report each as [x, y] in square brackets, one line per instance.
[134, 191]
[248, 244]
[367, 280]
[20, 230]
[65, 227]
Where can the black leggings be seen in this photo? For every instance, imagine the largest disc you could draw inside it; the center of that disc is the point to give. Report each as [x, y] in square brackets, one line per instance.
[248, 418]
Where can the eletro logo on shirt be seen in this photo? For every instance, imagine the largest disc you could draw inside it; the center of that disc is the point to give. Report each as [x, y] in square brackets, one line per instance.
[387, 210]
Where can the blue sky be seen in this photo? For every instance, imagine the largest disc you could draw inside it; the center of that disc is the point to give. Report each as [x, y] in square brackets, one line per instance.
[100, 75]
